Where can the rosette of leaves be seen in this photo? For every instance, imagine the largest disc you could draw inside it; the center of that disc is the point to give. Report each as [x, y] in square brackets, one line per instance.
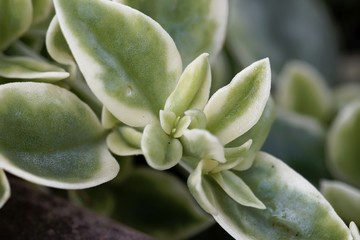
[157, 109]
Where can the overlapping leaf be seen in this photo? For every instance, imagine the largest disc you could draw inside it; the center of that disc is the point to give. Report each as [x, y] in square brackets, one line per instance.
[48, 136]
[127, 59]
[4, 188]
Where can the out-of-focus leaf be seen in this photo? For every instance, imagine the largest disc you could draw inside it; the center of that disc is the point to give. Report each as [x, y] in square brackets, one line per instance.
[4, 188]
[345, 93]
[131, 66]
[343, 198]
[196, 26]
[294, 208]
[26, 68]
[302, 89]
[41, 10]
[282, 30]
[299, 141]
[50, 137]
[343, 144]
[15, 20]
[237, 107]
[159, 204]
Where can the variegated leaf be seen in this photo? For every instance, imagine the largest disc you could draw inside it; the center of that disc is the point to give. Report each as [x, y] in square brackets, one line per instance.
[49, 137]
[4, 188]
[124, 141]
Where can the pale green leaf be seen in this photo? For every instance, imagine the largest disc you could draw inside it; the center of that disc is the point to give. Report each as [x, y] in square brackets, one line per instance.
[302, 89]
[160, 151]
[258, 133]
[237, 189]
[199, 188]
[108, 120]
[127, 59]
[343, 198]
[345, 93]
[26, 68]
[196, 26]
[124, 141]
[198, 118]
[57, 46]
[4, 188]
[343, 144]
[294, 208]
[237, 107]
[201, 144]
[193, 88]
[167, 121]
[15, 20]
[354, 231]
[50, 137]
[159, 204]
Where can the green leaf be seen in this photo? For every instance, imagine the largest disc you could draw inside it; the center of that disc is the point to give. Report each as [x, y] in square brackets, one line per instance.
[302, 89]
[160, 151]
[193, 88]
[196, 26]
[345, 93]
[49, 137]
[343, 144]
[108, 120]
[57, 46]
[343, 198]
[159, 204]
[4, 189]
[26, 68]
[237, 189]
[235, 108]
[199, 187]
[304, 31]
[15, 20]
[127, 59]
[294, 208]
[41, 10]
[124, 141]
[258, 133]
[201, 144]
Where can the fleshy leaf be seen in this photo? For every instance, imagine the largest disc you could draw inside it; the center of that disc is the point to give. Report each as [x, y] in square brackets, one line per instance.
[167, 121]
[50, 137]
[302, 89]
[258, 133]
[108, 120]
[41, 10]
[354, 231]
[345, 93]
[131, 66]
[56, 44]
[343, 198]
[201, 144]
[27, 68]
[343, 144]
[235, 108]
[199, 188]
[4, 188]
[196, 26]
[237, 189]
[15, 20]
[294, 208]
[124, 141]
[161, 151]
[193, 88]
[198, 118]
[164, 207]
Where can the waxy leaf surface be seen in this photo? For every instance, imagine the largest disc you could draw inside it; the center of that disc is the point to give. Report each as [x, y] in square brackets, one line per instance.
[294, 208]
[127, 59]
[235, 108]
[50, 137]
